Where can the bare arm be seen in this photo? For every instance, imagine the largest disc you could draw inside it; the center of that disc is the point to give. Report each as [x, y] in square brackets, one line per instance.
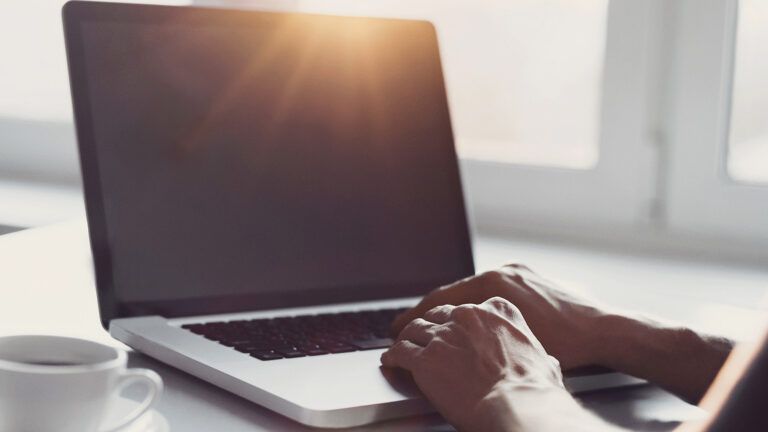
[541, 410]
[579, 333]
[678, 359]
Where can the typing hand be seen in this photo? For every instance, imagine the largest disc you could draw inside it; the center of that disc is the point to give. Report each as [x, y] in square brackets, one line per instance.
[465, 357]
[566, 325]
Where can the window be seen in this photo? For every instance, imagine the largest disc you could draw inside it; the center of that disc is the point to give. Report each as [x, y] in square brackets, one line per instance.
[525, 79]
[748, 150]
[523, 76]
[643, 121]
[548, 115]
[613, 185]
[37, 141]
[701, 195]
[33, 79]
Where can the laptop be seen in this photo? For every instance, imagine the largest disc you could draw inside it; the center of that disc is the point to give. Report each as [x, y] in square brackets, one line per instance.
[265, 192]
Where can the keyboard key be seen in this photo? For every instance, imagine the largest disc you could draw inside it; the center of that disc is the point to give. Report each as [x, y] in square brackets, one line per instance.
[253, 347]
[338, 347]
[297, 336]
[291, 352]
[372, 343]
[235, 343]
[266, 355]
[194, 328]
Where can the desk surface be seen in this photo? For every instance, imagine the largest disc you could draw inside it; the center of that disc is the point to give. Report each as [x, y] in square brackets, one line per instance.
[46, 286]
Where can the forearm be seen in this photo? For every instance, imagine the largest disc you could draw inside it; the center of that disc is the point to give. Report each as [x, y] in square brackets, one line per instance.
[514, 408]
[675, 358]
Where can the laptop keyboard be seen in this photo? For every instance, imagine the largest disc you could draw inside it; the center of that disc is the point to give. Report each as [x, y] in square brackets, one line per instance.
[303, 335]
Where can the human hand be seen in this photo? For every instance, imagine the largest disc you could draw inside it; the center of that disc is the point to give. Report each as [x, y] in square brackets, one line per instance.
[464, 358]
[565, 324]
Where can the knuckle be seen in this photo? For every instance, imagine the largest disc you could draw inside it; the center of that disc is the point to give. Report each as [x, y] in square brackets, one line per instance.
[555, 362]
[506, 309]
[408, 326]
[437, 309]
[557, 371]
[397, 347]
[491, 277]
[516, 273]
[437, 347]
[499, 302]
[414, 325]
[462, 312]
[504, 305]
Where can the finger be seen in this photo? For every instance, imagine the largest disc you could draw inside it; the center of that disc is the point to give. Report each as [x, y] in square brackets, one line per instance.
[403, 353]
[439, 314]
[418, 331]
[448, 294]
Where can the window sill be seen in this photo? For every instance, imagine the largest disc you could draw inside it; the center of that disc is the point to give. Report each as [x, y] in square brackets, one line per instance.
[29, 204]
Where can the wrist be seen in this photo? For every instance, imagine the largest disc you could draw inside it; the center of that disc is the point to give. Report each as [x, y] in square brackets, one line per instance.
[603, 335]
[618, 339]
[625, 340]
[513, 406]
[674, 357]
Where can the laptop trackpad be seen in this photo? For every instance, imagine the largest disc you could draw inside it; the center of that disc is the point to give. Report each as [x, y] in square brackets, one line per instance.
[337, 382]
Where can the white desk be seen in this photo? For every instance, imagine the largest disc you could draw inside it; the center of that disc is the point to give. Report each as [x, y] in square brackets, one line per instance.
[46, 286]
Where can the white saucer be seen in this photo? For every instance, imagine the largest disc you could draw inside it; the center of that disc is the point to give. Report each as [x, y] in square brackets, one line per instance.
[151, 421]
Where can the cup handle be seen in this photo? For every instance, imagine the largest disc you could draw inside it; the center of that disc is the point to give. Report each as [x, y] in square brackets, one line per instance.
[155, 388]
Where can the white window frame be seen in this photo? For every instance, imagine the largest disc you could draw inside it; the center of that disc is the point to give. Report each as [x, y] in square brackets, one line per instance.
[702, 199]
[619, 193]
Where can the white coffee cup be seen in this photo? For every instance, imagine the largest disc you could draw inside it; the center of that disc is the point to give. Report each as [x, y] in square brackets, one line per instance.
[52, 383]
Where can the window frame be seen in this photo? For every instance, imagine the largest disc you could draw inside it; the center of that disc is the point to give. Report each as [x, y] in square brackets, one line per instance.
[702, 199]
[619, 193]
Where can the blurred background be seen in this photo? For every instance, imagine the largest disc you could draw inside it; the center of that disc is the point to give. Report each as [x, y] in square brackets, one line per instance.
[633, 125]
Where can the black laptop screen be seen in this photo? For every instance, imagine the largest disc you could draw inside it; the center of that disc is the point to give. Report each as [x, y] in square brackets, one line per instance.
[248, 160]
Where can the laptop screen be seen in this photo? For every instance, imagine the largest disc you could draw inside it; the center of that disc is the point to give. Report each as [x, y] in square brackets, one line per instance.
[246, 160]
